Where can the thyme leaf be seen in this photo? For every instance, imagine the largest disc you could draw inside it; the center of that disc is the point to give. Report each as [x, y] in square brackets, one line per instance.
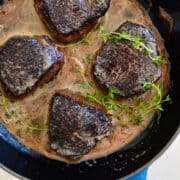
[83, 41]
[78, 70]
[135, 113]
[137, 42]
[85, 85]
[87, 59]
[18, 117]
[158, 60]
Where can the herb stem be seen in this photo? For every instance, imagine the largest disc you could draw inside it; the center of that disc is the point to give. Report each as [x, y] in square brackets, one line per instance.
[138, 43]
[12, 116]
[82, 41]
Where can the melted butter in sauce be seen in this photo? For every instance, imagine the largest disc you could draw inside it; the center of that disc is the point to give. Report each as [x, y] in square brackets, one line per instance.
[20, 18]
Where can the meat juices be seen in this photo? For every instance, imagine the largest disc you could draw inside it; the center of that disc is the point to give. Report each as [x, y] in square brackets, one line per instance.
[75, 127]
[121, 66]
[22, 19]
[69, 20]
[26, 61]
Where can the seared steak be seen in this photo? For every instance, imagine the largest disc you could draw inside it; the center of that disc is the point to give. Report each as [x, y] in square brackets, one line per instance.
[68, 20]
[120, 65]
[25, 61]
[75, 127]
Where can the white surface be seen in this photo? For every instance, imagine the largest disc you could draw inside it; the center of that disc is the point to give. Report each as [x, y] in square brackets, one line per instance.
[167, 167]
[6, 176]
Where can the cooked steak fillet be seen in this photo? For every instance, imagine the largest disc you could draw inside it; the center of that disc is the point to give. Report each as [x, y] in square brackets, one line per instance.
[75, 127]
[24, 61]
[68, 20]
[121, 66]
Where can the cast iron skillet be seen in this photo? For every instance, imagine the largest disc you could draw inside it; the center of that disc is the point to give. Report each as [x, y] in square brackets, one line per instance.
[138, 154]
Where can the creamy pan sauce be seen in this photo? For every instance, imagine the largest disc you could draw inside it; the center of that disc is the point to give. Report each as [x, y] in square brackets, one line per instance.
[20, 18]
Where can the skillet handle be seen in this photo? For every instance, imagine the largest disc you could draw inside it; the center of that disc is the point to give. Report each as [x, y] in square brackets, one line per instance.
[142, 175]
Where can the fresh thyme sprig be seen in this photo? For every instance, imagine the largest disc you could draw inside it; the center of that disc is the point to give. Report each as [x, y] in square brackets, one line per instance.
[78, 70]
[87, 59]
[158, 60]
[135, 113]
[137, 42]
[83, 41]
[17, 116]
[158, 98]
[85, 85]
[136, 110]
[107, 101]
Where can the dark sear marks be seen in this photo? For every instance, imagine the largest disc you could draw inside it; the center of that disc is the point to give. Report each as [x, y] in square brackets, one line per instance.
[25, 61]
[69, 20]
[121, 66]
[76, 126]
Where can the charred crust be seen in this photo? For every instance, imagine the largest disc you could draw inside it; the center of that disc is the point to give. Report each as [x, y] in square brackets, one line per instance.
[37, 47]
[54, 16]
[83, 124]
[121, 66]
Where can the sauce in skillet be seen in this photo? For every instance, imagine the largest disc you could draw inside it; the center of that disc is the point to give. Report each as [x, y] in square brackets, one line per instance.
[20, 18]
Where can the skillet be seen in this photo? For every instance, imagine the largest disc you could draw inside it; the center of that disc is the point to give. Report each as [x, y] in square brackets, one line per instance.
[138, 154]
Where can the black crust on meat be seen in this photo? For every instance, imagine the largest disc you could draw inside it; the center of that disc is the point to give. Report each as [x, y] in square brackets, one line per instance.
[121, 66]
[26, 61]
[75, 127]
[69, 20]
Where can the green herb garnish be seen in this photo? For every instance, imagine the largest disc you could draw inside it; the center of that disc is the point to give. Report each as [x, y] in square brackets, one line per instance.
[18, 117]
[107, 101]
[78, 70]
[86, 85]
[87, 59]
[157, 101]
[83, 41]
[102, 29]
[158, 60]
[135, 113]
[137, 42]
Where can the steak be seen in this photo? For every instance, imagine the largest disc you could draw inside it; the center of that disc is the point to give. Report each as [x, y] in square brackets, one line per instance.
[76, 126]
[69, 20]
[121, 66]
[25, 61]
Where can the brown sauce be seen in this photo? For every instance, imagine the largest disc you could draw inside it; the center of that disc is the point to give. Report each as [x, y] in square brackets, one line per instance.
[20, 18]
